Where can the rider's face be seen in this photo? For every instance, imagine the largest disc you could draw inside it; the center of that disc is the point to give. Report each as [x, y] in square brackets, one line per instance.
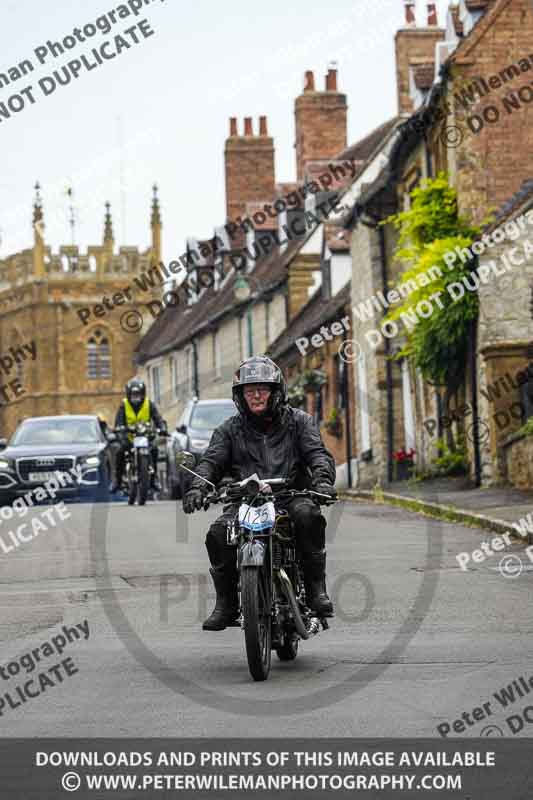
[257, 396]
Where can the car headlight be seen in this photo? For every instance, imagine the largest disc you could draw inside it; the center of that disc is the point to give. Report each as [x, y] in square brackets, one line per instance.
[4, 463]
[92, 461]
[199, 444]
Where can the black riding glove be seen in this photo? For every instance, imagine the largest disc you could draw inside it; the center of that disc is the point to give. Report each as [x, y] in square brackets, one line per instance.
[193, 501]
[325, 488]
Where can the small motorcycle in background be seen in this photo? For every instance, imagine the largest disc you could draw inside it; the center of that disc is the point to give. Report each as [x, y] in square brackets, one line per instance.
[274, 612]
[138, 468]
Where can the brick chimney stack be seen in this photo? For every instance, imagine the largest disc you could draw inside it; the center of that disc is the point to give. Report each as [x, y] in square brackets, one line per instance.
[414, 46]
[432, 14]
[410, 12]
[249, 167]
[321, 121]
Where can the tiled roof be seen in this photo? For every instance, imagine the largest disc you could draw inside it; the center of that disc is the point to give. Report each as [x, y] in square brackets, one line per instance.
[315, 313]
[316, 169]
[364, 148]
[424, 75]
[513, 203]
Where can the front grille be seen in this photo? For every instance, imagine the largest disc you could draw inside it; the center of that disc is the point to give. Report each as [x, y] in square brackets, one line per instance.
[57, 464]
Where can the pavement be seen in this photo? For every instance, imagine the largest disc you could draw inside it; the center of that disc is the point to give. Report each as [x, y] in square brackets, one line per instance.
[495, 508]
[415, 643]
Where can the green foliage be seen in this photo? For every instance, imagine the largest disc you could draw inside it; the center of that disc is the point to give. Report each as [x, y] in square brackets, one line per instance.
[527, 428]
[333, 424]
[451, 462]
[437, 345]
[314, 377]
[296, 393]
[433, 215]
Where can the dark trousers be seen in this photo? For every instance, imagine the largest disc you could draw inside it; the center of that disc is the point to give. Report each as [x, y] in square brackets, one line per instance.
[309, 525]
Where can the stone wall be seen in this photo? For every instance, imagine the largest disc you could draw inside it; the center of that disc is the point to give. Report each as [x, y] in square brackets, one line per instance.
[519, 462]
[505, 332]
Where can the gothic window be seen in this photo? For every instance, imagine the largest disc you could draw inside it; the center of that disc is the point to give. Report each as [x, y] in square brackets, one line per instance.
[18, 353]
[98, 356]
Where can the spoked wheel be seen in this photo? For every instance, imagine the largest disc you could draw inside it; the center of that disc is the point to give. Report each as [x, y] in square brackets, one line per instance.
[256, 610]
[144, 479]
[289, 648]
[132, 487]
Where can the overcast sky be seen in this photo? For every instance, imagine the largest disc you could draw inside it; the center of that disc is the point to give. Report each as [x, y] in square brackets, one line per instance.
[159, 111]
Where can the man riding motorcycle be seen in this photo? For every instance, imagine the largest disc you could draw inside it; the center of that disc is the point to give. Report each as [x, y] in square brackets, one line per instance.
[269, 437]
[135, 407]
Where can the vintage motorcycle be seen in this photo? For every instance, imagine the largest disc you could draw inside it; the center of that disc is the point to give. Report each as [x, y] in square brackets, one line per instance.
[274, 613]
[138, 468]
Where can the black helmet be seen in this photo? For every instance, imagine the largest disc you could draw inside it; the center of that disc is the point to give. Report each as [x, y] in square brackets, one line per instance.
[136, 392]
[260, 369]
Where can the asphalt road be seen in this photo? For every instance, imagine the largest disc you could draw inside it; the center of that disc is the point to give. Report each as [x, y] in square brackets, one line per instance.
[415, 643]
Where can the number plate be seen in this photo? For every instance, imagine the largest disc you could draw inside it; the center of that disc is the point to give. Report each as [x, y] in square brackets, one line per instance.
[140, 441]
[257, 518]
[39, 477]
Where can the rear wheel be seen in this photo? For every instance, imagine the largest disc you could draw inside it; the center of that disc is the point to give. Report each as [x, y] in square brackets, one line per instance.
[256, 611]
[144, 479]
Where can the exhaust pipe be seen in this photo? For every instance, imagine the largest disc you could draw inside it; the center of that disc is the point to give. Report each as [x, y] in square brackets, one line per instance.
[300, 626]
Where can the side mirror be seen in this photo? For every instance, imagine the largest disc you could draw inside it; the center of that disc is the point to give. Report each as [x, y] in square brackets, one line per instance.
[181, 428]
[185, 459]
[3, 444]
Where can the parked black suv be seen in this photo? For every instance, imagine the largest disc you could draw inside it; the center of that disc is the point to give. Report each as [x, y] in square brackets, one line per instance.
[42, 446]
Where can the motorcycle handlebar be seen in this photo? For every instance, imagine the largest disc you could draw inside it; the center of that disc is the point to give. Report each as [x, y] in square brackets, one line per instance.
[132, 429]
[213, 498]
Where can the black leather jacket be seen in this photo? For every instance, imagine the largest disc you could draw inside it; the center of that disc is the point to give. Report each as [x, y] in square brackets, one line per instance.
[292, 447]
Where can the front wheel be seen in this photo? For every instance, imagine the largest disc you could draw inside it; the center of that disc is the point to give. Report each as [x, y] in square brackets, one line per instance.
[256, 611]
[144, 478]
[132, 484]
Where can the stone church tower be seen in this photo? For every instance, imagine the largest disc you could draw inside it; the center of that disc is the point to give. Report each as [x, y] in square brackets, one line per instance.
[70, 322]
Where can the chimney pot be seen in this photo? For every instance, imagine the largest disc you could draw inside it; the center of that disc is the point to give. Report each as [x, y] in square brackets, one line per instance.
[263, 131]
[432, 14]
[410, 12]
[233, 126]
[331, 80]
[248, 130]
[309, 83]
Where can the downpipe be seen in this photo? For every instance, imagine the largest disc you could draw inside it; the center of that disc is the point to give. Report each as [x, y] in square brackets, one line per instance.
[289, 594]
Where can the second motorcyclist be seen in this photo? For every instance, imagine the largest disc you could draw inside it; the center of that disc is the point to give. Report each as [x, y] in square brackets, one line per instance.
[136, 407]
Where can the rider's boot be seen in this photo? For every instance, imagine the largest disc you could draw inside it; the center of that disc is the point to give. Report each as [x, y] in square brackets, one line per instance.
[226, 611]
[314, 565]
